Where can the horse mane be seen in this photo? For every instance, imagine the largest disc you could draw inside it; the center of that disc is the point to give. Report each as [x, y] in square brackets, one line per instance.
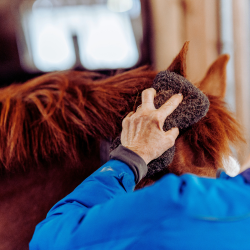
[46, 118]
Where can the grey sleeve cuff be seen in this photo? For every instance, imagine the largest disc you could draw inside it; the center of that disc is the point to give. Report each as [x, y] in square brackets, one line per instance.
[133, 160]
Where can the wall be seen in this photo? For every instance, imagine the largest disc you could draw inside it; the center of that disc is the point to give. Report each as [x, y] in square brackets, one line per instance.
[177, 21]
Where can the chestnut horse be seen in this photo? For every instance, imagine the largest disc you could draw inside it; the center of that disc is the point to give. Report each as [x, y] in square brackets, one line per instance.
[50, 129]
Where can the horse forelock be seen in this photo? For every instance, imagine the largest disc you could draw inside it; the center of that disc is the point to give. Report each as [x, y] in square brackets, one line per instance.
[46, 118]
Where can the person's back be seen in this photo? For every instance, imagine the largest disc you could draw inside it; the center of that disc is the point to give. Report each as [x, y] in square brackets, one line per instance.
[186, 212]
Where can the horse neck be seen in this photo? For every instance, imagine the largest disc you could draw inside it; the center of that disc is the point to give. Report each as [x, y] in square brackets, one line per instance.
[26, 198]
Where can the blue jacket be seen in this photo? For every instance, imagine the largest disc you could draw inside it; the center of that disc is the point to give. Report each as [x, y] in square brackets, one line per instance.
[186, 212]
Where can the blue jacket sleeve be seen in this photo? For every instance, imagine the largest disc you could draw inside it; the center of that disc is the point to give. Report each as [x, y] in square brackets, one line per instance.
[63, 222]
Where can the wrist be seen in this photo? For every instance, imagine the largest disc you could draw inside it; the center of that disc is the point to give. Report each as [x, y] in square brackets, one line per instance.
[142, 154]
[132, 159]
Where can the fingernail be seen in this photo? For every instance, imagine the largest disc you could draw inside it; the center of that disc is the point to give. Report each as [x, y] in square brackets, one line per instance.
[179, 94]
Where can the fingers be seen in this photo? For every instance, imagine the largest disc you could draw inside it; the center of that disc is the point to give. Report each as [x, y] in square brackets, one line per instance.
[148, 96]
[125, 120]
[168, 107]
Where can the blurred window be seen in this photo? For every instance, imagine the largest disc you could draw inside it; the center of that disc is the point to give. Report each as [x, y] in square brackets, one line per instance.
[90, 34]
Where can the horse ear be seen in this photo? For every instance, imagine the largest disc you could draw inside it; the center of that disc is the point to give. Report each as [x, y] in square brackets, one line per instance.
[214, 82]
[179, 63]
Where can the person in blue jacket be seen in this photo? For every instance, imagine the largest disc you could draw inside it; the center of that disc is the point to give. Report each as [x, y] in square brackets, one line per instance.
[177, 212]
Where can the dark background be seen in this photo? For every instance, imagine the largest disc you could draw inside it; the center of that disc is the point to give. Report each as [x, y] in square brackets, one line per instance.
[10, 67]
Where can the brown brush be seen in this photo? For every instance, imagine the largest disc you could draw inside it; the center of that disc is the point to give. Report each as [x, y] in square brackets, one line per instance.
[193, 107]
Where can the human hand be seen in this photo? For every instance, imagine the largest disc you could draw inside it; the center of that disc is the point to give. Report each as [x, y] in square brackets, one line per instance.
[142, 131]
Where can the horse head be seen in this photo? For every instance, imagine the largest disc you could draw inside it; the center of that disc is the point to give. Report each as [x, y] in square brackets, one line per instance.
[206, 146]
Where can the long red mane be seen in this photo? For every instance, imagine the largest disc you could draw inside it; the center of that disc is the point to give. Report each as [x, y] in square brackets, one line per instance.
[45, 118]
